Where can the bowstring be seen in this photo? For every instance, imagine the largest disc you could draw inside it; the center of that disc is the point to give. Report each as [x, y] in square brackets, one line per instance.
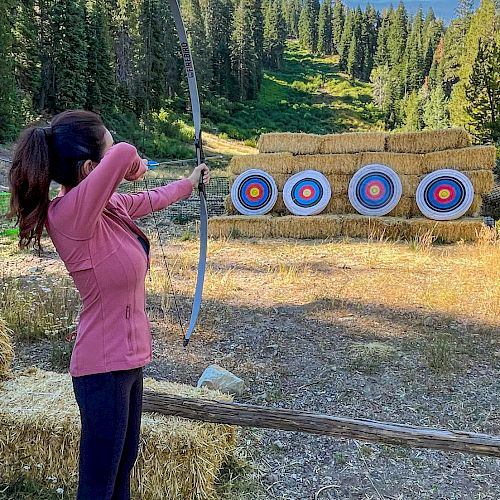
[158, 235]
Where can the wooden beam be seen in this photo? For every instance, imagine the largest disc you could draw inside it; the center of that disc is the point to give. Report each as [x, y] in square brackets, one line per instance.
[244, 415]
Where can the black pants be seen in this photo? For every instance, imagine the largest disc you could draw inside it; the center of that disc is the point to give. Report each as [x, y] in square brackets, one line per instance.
[110, 410]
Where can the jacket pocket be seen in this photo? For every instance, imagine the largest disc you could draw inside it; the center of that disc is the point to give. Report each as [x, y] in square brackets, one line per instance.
[129, 328]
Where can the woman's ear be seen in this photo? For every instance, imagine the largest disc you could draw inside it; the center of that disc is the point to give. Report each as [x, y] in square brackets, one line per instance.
[86, 168]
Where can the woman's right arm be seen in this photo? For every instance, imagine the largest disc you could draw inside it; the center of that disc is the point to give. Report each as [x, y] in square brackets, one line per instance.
[77, 214]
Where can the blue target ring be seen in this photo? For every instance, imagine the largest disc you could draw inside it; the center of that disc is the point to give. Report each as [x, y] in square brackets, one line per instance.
[445, 194]
[254, 192]
[375, 190]
[307, 193]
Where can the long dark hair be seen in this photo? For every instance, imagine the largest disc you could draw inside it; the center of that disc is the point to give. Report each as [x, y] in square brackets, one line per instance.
[44, 154]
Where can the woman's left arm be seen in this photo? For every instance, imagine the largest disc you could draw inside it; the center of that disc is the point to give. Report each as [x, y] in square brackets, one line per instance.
[140, 204]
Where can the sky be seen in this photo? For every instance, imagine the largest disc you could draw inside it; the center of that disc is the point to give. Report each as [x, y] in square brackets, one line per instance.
[444, 9]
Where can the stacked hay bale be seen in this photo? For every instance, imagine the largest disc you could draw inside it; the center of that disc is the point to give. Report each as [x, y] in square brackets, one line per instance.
[40, 431]
[6, 350]
[411, 155]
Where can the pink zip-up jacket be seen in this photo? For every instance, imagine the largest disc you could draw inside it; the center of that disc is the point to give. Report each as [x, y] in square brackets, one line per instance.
[93, 231]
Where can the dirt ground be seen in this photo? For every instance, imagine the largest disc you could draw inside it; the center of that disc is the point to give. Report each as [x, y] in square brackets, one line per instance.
[396, 332]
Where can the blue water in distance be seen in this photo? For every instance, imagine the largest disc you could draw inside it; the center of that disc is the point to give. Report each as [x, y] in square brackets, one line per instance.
[445, 9]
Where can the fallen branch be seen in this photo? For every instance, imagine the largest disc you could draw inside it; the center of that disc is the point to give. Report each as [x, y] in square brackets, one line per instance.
[245, 415]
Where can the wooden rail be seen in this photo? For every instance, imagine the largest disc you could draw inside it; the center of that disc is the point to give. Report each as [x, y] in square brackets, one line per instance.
[244, 415]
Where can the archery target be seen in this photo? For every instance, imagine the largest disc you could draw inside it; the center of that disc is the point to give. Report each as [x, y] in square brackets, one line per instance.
[375, 190]
[307, 193]
[445, 194]
[254, 192]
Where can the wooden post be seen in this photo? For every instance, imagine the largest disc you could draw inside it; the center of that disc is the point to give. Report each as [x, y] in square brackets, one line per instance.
[244, 415]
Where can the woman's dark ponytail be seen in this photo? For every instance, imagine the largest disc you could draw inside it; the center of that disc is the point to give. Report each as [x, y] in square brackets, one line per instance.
[29, 185]
[54, 153]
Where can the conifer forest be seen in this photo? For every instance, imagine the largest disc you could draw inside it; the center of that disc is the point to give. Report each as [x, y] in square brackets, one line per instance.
[121, 58]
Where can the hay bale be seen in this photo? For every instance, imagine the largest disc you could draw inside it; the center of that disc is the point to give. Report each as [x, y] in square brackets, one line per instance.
[6, 350]
[39, 438]
[466, 159]
[355, 226]
[401, 163]
[427, 141]
[296, 143]
[236, 226]
[274, 163]
[464, 229]
[317, 226]
[354, 142]
[327, 164]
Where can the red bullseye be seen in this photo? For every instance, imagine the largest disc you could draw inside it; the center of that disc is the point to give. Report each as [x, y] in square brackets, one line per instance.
[375, 190]
[306, 192]
[444, 194]
[254, 191]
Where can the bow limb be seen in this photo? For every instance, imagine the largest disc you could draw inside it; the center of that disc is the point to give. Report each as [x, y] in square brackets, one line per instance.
[195, 109]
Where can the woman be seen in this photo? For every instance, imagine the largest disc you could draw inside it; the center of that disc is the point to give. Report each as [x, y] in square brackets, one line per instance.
[107, 256]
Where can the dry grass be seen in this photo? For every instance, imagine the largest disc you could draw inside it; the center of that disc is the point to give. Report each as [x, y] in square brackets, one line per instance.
[52, 305]
[215, 144]
[462, 280]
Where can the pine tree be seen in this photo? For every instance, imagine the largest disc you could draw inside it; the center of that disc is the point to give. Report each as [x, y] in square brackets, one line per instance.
[435, 114]
[69, 57]
[481, 27]
[308, 31]
[465, 8]
[413, 61]
[218, 29]
[338, 19]
[370, 33]
[294, 8]
[26, 51]
[244, 56]
[8, 97]
[398, 35]
[483, 92]
[355, 54]
[258, 34]
[200, 50]
[433, 31]
[274, 30]
[345, 41]
[382, 53]
[100, 72]
[158, 72]
[325, 28]
[128, 45]
[412, 113]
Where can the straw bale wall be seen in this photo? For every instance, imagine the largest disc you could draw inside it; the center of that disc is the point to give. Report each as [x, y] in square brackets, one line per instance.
[355, 226]
[355, 142]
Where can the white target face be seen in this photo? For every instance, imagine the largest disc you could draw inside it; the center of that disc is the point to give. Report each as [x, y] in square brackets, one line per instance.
[307, 193]
[445, 194]
[375, 190]
[254, 192]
